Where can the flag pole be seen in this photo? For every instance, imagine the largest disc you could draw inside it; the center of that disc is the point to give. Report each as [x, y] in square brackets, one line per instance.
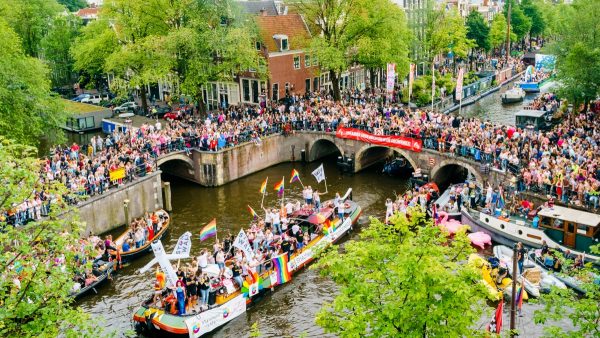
[514, 292]
[283, 193]
[299, 180]
[264, 192]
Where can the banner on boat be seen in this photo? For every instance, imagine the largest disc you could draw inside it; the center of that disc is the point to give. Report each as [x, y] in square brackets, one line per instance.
[241, 242]
[163, 261]
[209, 320]
[184, 245]
[401, 142]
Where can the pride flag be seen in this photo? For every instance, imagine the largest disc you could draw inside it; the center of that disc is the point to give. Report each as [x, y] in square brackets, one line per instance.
[520, 298]
[327, 227]
[281, 269]
[280, 186]
[263, 186]
[254, 214]
[501, 201]
[209, 230]
[295, 176]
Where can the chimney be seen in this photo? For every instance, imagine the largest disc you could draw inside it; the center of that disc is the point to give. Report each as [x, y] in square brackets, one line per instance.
[263, 12]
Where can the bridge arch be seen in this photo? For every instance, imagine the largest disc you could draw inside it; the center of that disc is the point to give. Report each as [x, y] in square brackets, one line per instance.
[177, 164]
[322, 147]
[369, 154]
[440, 173]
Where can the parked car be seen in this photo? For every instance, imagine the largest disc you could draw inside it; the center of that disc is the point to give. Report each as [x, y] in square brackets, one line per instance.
[80, 97]
[174, 115]
[95, 99]
[158, 112]
[126, 107]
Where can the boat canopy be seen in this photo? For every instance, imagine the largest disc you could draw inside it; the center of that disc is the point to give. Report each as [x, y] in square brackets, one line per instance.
[571, 215]
[531, 113]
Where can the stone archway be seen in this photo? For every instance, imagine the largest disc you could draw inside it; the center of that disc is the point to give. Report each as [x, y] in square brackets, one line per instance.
[323, 147]
[449, 166]
[177, 164]
[369, 154]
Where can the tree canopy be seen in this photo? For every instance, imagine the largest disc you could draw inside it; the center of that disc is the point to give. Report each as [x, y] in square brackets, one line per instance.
[37, 262]
[478, 30]
[402, 280]
[445, 31]
[55, 48]
[73, 5]
[520, 24]
[533, 11]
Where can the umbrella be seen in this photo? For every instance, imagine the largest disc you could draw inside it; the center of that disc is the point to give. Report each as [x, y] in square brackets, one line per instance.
[317, 218]
[432, 185]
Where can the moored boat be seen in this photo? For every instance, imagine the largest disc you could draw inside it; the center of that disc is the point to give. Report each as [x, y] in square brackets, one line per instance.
[126, 256]
[534, 278]
[574, 282]
[101, 271]
[513, 95]
[228, 302]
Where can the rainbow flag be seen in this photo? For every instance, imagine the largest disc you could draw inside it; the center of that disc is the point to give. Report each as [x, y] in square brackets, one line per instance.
[209, 230]
[281, 269]
[327, 227]
[520, 298]
[295, 176]
[254, 214]
[263, 186]
[280, 186]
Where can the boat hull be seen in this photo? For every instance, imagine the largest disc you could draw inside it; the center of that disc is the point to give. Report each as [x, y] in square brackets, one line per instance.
[92, 287]
[155, 322]
[530, 87]
[507, 99]
[144, 249]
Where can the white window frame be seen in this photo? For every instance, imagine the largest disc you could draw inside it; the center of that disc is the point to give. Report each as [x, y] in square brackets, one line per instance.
[297, 65]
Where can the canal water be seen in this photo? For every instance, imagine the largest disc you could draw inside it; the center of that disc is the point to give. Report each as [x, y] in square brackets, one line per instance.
[290, 311]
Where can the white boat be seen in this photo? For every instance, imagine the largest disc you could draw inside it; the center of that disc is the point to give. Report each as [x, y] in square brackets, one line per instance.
[513, 95]
[535, 279]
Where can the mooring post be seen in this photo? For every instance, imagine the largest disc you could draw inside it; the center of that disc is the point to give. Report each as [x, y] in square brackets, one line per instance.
[167, 193]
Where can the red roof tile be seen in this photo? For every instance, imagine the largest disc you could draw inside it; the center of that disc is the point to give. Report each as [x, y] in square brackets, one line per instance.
[86, 12]
[291, 25]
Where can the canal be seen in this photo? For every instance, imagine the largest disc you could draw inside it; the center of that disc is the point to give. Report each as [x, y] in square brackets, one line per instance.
[291, 310]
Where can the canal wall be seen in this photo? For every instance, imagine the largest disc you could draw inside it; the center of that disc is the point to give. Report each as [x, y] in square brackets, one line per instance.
[105, 212]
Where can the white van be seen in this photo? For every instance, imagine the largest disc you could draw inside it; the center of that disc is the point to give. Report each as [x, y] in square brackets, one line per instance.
[94, 99]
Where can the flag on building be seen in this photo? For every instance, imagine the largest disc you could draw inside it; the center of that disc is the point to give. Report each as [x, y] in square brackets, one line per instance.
[281, 269]
[209, 230]
[280, 186]
[263, 186]
[496, 324]
[319, 173]
[459, 84]
[252, 212]
[295, 176]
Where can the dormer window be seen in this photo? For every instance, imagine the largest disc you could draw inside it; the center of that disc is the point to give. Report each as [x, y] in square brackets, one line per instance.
[282, 42]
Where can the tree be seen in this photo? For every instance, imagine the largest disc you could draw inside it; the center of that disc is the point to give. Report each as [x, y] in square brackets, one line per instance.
[342, 29]
[520, 24]
[583, 311]
[55, 48]
[28, 110]
[497, 35]
[73, 5]
[533, 12]
[35, 285]
[402, 280]
[31, 20]
[478, 30]
[578, 52]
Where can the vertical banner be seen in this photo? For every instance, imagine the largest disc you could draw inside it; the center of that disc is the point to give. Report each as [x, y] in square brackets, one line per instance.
[163, 261]
[411, 79]
[459, 84]
[241, 242]
[391, 77]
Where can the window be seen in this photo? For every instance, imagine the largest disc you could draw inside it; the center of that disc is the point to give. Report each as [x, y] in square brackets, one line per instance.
[257, 45]
[315, 61]
[284, 44]
[306, 60]
[275, 94]
[307, 85]
[255, 91]
[296, 62]
[246, 90]
[316, 84]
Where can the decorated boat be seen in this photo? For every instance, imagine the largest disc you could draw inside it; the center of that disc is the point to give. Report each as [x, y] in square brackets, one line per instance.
[101, 270]
[163, 225]
[573, 280]
[513, 95]
[560, 227]
[534, 80]
[226, 302]
[535, 279]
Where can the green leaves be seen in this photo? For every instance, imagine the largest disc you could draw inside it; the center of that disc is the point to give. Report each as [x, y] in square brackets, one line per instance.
[398, 282]
[478, 30]
[445, 30]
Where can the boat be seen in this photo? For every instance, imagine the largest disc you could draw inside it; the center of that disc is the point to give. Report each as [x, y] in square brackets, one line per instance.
[513, 95]
[535, 279]
[227, 302]
[574, 282]
[102, 271]
[395, 166]
[529, 85]
[560, 227]
[133, 253]
[529, 118]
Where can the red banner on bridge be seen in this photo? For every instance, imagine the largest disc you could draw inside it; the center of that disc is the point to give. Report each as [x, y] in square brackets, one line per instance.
[401, 142]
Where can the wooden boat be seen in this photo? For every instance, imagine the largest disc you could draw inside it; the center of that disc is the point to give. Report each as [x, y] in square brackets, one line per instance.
[513, 95]
[574, 282]
[134, 253]
[228, 305]
[562, 228]
[535, 279]
[104, 271]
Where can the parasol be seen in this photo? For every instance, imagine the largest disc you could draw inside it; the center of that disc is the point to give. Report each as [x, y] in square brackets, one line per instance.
[317, 218]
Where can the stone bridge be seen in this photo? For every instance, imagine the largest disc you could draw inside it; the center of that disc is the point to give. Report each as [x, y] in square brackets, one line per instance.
[221, 167]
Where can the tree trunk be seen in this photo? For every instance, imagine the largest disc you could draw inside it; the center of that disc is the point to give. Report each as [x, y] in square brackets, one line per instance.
[335, 82]
[372, 77]
[144, 99]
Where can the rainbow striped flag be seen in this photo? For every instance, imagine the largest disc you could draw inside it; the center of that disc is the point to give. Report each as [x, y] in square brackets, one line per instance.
[280, 186]
[281, 269]
[327, 227]
[209, 230]
[254, 214]
[263, 186]
[295, 176]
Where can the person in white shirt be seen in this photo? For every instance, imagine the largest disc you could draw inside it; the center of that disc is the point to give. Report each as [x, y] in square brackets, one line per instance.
[389, 210]
[203, 259]
[276, 221]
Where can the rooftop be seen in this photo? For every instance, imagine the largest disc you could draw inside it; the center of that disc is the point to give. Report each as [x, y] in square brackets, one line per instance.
[255, 7]
[291, 25]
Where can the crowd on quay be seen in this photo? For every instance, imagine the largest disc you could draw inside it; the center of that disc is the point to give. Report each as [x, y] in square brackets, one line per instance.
[561, 162]
[278, 232]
